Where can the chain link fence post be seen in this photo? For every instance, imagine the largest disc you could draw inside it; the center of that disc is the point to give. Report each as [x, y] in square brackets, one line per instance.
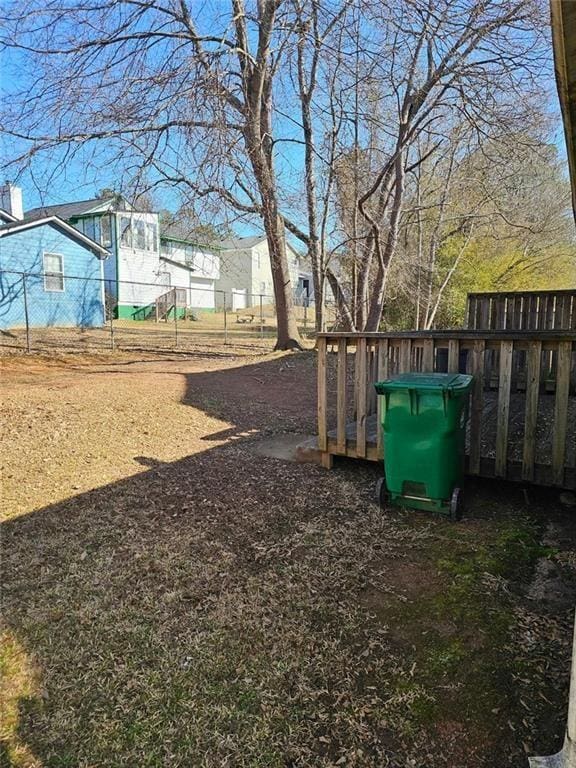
[26, 316]
[261, 319]
[176, 318]
[109, 307]
[225, 318]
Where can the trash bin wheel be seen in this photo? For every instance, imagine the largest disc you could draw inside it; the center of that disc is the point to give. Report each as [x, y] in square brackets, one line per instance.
[382, 495]
[456, 504]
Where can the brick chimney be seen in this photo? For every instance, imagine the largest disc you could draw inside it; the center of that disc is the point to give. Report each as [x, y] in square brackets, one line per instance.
[11, 200]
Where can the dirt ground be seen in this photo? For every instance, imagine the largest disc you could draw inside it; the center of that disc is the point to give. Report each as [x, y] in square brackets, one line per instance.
[172, 598]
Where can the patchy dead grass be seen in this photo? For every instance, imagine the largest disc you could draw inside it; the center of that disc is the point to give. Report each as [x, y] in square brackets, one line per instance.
[172, 599]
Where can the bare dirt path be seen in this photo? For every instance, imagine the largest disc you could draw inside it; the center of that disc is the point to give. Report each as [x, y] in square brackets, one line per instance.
[171, 598]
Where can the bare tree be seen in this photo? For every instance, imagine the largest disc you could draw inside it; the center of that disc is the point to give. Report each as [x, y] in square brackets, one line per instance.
[311, 117]
[419, 67]
[193, 106]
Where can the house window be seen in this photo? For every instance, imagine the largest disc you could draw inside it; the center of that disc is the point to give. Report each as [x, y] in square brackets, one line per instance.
[53, 272]
[151, 236]
[89, 228]
[105, 232]
[125, 232]
[139, 234]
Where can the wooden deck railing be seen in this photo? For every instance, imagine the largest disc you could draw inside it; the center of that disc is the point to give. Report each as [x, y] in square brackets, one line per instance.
[523, 403]
[173, 299]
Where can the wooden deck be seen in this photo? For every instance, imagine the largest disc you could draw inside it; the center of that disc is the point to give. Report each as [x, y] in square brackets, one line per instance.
[522, 422]
[542, 469]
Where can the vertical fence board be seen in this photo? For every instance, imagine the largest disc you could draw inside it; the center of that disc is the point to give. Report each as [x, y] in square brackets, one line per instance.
[551, 309]
[405, 358]
[533, 307]
[322, 413]
[489, 319]
[506, 350]
[477, 370]
[471, 312]
[428, 356]
[564, 315]
[382, 375]
[542, 311]
[516, 320]
[341, 395]
[372, 377]
[361, 402]
[561, 411]
[500, 313]
[453, 356]
[531, 413]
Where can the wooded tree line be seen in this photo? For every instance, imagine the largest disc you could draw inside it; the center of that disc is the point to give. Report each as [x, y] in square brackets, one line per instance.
[403, 144]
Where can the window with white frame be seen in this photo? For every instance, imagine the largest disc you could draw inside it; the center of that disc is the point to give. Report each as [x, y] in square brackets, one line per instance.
[139, 234]
[53, 272]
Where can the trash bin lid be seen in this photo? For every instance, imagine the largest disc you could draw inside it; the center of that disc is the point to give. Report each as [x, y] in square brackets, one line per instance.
[445, 382]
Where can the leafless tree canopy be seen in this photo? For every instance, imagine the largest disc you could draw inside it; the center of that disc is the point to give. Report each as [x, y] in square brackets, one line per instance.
[324, 118]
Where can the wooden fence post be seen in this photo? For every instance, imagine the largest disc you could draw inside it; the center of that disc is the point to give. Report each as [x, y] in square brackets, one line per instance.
[361, 353]
[322, 397]
[382, 375]
[561, 411]
[531, 413]
[341, 395]
[505, 377]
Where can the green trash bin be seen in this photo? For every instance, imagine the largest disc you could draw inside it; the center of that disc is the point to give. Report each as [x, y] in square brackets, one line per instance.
[424, 429]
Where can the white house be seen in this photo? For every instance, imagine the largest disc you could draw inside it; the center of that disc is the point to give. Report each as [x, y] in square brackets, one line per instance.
[245, 273]
[145, 263]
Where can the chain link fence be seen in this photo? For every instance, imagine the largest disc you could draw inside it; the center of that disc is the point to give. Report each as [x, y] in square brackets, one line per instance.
[43, 312]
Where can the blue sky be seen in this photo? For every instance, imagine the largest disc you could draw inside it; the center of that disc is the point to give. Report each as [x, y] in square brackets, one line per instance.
[57, 178]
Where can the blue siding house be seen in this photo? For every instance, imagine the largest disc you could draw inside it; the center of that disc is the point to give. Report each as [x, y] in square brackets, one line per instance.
[64, 285]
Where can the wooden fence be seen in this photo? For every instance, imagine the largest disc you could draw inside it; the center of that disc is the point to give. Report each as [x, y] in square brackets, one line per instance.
[522, 311]
[523, 404]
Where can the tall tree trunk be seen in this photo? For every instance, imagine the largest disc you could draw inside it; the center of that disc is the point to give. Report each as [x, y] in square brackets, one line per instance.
[315, 252]
[288, 336]
[258, 140]
[342, 308]
[377, 303]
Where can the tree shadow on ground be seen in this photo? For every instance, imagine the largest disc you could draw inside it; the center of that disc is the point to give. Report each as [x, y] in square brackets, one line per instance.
[212, 610]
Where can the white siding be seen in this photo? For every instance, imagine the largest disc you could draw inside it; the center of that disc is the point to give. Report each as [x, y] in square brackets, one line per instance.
[139, 266]
[201, 293]
[205, 263]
